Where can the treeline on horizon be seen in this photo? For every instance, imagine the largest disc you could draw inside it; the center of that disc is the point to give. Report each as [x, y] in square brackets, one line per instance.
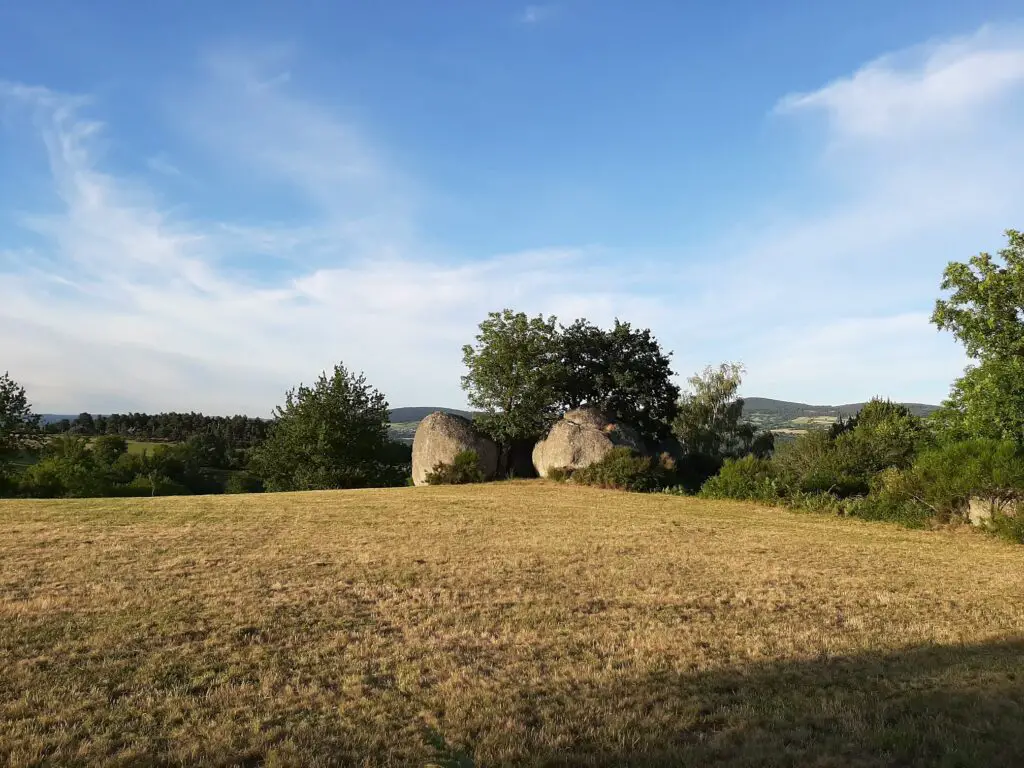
[235, 431]
[523, 374]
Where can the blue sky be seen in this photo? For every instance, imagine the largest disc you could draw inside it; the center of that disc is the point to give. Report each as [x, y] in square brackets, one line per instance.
[202, 204]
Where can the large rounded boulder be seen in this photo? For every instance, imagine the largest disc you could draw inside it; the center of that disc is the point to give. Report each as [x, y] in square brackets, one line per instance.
[440, 436]
[581, 438]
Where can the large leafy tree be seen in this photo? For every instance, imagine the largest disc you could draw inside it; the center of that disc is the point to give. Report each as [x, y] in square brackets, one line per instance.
[621, 371]
[710, 419]
[331, 435]
[19, 427]
[985, 311]
[986, 402]
[511, 375]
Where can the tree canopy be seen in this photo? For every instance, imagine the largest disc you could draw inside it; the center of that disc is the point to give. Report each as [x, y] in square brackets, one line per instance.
[621, 371]
[511, 375]
[331, 435]
[985, 311]
[710, 418]
[18, 425]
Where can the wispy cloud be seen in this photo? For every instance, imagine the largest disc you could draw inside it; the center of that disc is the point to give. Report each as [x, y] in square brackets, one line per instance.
[928, 89]
[535, 14]
[124, 300]
[161, 164]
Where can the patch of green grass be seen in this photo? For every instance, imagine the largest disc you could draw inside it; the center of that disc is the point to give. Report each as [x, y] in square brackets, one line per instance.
[523, 623]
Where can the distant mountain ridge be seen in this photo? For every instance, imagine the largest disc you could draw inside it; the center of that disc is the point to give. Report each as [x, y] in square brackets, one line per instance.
[765, 405]
[793, 410]
[420, 412]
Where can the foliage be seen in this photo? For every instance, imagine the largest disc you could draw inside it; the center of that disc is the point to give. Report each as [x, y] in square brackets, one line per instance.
[18, 425]
[843, 460]
[68, 468]
[243, 482]
[331, 435]
[109, 448]
[984, 310]
[986, 402]
[623, 372]
[624, 470]
[511, 375]
[465, 468]
[237, 432]
[559, 474]
[952, 474]
[710, 414]
[748, 478]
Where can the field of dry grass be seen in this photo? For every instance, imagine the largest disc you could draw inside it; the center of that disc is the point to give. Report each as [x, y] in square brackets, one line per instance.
[509, 624]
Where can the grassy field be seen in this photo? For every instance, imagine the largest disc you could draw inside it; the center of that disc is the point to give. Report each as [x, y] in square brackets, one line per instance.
[509, 624]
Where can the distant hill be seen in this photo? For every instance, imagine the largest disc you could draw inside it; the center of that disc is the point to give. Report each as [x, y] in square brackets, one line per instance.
[790, 410]
[50, 418]
[419, 412]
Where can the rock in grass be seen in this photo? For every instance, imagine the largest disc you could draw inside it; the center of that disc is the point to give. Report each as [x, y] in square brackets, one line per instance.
[440, 436]
[581, 438]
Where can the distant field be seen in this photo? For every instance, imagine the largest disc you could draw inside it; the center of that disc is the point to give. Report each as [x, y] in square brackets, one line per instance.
[144, 446]
[509, 624]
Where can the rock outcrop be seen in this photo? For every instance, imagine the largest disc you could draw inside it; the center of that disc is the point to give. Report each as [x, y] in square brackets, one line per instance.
[581, 438]
[440, 436]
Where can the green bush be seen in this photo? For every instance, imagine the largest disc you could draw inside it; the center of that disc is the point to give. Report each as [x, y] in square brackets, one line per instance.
[749, 478]
[625, 470]
[60, 476]
[465, 468]
[154, 485]
[559, 474]
[243, 482]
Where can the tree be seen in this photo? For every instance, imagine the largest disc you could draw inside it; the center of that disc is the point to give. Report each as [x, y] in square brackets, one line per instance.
[710, 415]
[986, 308]
[987, 402]
[18, 425]
[331, 435]
[109, 448]
[622, 372]
[84, 424]
[985, 311]
[512, 372]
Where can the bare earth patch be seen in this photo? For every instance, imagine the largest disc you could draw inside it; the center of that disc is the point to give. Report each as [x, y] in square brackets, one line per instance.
[507, 624]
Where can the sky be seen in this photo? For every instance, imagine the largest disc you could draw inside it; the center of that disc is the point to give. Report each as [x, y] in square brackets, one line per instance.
[204, 204]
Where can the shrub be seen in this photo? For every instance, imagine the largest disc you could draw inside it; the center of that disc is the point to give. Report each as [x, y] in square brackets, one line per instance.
[949, 476]
[57, 476]
[749, 478]
[152, 485]
[695, 469]
[243, 482]
[559, 474]
[624, 470]
[465, 468]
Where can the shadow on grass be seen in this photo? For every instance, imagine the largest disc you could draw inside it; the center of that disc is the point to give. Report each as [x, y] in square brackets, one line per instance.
[930, 706]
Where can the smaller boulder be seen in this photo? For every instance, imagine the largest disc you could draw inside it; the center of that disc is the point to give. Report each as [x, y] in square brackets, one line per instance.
[581, 438]
[440, 436]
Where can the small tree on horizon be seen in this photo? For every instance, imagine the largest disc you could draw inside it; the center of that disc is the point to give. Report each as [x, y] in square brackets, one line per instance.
[623, 372]
[710, 418]
[19, 426]
[511, 375]
[331, 435]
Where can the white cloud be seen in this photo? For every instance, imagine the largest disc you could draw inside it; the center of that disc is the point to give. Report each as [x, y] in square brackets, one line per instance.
[535, 14]
[125, 302]
[161, 164]
[933, 88]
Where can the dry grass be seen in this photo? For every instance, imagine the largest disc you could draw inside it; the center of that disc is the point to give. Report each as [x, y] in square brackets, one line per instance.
[508, 624]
